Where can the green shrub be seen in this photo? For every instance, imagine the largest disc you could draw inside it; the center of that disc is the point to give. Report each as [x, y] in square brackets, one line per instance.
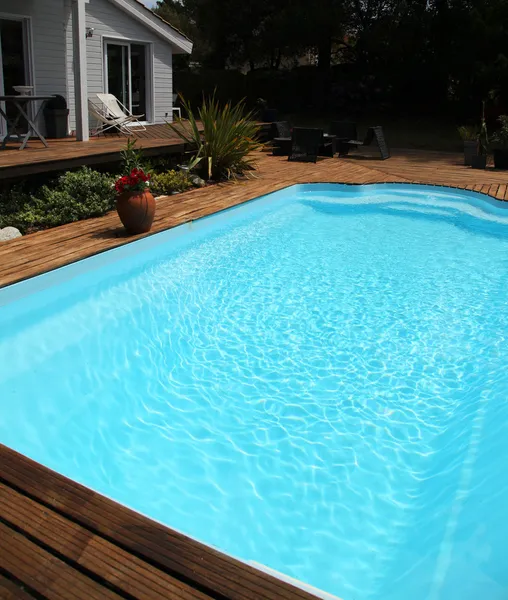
[75, 195]
[12, 201]
[169, 182]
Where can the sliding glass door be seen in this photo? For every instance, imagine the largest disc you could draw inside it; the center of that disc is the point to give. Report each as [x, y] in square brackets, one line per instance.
[126, 75]
[14, 61]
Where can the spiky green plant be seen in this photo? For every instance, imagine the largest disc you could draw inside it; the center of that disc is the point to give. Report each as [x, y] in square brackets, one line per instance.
[483, 136]
[468, 133]
[132, 158]
[223, 142]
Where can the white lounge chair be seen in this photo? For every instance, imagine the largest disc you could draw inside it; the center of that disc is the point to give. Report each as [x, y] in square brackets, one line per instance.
[176, 109]
[112, 114]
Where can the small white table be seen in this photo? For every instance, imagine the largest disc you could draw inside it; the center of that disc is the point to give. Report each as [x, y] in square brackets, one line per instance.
[22, 103]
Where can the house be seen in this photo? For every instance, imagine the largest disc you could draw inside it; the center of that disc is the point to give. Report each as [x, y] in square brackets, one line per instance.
[77, 48]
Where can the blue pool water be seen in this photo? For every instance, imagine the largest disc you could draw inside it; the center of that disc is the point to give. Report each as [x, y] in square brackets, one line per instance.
[314, 381]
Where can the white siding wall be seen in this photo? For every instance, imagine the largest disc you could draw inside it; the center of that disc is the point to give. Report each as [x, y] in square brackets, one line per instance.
[48, 42]
[110, 21]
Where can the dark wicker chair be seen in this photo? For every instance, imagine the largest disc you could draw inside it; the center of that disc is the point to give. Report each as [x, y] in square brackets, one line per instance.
[347, 138]
[281, 129]
[281, 138]
[344, 130]
[346, 134]
[305, 144]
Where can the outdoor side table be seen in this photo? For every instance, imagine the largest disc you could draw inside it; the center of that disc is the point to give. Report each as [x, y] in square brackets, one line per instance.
[22, 103]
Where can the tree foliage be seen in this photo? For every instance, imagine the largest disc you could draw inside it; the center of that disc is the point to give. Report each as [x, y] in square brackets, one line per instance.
[447, 50]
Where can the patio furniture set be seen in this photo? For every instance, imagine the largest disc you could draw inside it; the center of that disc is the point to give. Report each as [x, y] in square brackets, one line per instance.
[301, 143]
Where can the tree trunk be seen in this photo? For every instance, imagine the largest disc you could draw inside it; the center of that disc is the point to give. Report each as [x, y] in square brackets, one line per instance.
[325, 54]
[278, 59]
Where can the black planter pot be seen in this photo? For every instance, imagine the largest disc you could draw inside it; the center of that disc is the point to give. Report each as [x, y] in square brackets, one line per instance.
[479, 161]
[56, 117]
[501, 158]
[470, 149]
[57, 122]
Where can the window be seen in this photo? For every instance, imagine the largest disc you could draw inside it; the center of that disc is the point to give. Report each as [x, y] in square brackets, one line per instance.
[15, 60]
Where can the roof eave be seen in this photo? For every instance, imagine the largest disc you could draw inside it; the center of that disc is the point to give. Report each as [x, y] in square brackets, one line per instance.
[180, 43]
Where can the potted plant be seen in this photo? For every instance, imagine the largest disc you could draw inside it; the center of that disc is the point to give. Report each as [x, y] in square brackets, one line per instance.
[500, 144]
[134, 203]
[469, 135]
[479, 161]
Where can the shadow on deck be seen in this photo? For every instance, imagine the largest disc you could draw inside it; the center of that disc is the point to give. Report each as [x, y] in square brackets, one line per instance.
[68, 153]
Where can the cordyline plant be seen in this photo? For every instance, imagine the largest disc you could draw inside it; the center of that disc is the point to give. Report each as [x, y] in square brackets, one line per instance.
[223, 143]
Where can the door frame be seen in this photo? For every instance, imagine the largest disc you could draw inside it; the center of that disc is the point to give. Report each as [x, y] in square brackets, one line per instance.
[149, 80]
[28, 47]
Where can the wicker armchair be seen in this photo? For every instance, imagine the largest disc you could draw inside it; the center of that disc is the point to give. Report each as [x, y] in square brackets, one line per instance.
[281, 138]
[305, 144]
[347, 136]
[281, 129]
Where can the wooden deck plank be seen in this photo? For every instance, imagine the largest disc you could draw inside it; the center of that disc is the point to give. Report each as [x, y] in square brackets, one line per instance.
[105, 560]
[12, 591]
[441, 168]
[44, 572]
[217, 574]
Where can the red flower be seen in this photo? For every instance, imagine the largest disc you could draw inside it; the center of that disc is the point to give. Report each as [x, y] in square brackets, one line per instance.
[137, 180]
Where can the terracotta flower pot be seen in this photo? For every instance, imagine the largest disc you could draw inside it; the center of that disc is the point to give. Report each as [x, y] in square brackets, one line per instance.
[136, 210]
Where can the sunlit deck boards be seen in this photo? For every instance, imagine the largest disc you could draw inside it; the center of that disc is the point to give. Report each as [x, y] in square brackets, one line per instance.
[59, 540]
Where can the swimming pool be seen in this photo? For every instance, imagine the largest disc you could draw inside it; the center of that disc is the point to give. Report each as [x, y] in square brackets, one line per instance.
[314, 381]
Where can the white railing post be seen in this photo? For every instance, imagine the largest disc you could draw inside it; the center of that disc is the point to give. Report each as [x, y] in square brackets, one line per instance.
[80, 74]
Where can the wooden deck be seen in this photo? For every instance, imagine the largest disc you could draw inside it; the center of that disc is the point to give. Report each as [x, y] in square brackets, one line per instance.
[68, 153]
[57, 536]
[62, 541]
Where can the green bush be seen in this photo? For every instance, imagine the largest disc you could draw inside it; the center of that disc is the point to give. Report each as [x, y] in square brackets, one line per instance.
[169, 182]
[75, 195]
[12, 201]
